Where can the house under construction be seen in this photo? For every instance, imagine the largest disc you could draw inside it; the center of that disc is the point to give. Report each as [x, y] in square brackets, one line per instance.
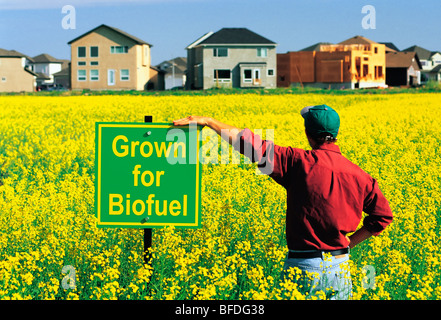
[355, 63]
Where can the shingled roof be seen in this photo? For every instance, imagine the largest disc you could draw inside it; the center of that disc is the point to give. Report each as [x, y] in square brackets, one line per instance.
[401, 59]
[358, 40]
[14, 54]
[45, 58]
[135, 39]
[422, 53]
[436, 69]
[315, 47]
[232, 36]
[390, 46]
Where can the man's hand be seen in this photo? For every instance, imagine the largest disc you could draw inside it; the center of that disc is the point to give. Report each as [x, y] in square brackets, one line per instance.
[229, 133]
[199, 120]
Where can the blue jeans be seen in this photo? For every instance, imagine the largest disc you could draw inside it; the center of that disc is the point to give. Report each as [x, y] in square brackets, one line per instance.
[325, 277]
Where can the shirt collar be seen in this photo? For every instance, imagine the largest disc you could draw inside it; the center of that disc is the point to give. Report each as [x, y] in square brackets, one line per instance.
[329, 147]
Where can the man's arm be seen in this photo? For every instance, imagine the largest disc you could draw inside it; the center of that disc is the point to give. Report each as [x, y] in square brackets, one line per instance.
[226, 131]
[358, 237]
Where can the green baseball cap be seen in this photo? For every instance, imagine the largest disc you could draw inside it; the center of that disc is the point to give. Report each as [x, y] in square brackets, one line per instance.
[320, 119]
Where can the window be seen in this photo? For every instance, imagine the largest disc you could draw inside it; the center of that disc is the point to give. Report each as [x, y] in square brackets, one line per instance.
[247, 75]
[270, 72]
[81, 63]
[94, 75]
[111, 77]
[81, 52]
[125, 75]
[94, 52]
[119, 49]
[379, 71]
[375, 49]
[256, 74]
[365, 70]
[82, 75]
[222, 75]
[145, 58]
[3, 79]
[262, 52]
[220, 52]
[93, 63]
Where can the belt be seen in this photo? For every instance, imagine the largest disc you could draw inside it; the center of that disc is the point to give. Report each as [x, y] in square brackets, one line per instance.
[315, 254]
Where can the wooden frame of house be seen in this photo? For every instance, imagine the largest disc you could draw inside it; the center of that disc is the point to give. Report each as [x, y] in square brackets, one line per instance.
[354, 63]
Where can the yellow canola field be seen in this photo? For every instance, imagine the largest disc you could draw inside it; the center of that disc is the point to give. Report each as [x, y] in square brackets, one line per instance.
[47, 219]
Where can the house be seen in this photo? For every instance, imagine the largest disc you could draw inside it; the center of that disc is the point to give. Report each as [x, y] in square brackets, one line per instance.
[174, 72]
[156, 81]
[15, 75]
[354, 63]
[231, 57]
[106, 58]
[62, 78]
[403, 69]
[429, 61]
[44, 65]
[434, 74]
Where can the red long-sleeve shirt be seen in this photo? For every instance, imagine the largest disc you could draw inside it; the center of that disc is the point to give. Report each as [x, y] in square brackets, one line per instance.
[326, 193]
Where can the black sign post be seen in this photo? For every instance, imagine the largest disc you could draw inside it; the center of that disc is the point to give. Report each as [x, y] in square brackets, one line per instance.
[147, 231]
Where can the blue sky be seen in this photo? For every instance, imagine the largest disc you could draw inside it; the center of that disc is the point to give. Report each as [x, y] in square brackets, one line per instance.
[33, 27]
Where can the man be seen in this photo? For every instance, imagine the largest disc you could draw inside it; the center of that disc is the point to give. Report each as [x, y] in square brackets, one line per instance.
[326, 195]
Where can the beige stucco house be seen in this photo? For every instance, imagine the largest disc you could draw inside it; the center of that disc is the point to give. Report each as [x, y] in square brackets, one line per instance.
[106, 58]
[14, 73]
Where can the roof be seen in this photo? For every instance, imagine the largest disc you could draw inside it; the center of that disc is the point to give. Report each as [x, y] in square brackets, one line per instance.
[45, 58]
[125, 34]
[180, 65]
[13, 54]
[315, 47]
[390, 45]
[42, 76]
[422, 53]
[358, 40]
[63, 72]
[401, 59]
[436, 69]
[232, 36]
[30, 71]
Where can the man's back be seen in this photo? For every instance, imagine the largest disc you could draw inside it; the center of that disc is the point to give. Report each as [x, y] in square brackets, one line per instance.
[326, 193]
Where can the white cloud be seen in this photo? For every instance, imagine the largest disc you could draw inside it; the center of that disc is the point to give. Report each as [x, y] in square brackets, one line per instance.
[54, 4]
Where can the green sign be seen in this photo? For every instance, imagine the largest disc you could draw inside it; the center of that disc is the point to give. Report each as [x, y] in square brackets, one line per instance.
[147, 175]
